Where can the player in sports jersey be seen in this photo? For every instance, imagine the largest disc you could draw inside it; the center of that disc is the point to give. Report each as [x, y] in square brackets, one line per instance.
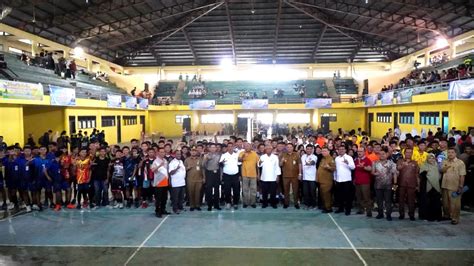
[147, 176]
[130, 163]
[117, 179]
[66, 164]
[59, 183]
[2, 182]
[73, 177]
[41, 163]
[82, 166]
[24, 164]
[12, 171]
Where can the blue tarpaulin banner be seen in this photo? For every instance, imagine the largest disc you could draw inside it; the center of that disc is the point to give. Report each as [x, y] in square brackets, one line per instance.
[143, 103]
[387, 97]
[202, 105]
[318, 103]
[255, 104]
[62, 96]
[131, 102]
[114, 100]
[461, 90]
[370, 100]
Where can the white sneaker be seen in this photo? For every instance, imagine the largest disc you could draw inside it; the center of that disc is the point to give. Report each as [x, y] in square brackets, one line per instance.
[115, 206]
[28, 208]
[120, 205]
[227, 206]
[22, 205]
[11, 206]
[35, 207]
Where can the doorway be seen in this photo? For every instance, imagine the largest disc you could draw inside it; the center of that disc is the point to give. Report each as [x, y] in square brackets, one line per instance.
[119, 129]
[370, 119]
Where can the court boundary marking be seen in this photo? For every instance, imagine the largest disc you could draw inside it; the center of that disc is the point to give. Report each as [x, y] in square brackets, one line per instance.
[349, 241]
[146, 240]
[233, 247]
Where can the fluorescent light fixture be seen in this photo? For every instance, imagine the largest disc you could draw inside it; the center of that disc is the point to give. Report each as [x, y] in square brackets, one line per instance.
[25, 41]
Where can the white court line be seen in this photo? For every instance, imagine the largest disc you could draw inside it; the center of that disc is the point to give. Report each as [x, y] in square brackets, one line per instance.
[144, 241]
[348, 240]
[18, 214]
[233, 247]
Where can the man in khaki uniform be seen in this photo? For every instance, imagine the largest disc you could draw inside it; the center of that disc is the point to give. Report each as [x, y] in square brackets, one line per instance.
[249, 159]
[194, 179]
[454, 172]
[291, 164]
[325, 175]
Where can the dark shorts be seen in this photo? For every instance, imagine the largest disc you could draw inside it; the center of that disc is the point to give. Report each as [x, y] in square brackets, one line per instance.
[83, 187]
[139, 182]
[117, 184]
[131, 183]
[60, 186]
[1, 183]
[33, 186]
[12, 183]
[46, 184]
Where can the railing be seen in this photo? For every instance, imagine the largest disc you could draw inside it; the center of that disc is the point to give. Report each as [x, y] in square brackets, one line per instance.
[417, 89]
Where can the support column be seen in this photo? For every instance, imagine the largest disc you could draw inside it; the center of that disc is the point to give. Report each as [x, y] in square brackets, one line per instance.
[453, 49]
[34, 48]
[427, 58]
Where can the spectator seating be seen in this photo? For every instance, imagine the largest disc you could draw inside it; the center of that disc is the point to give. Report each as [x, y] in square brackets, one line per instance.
[85, 87]
[166, 88]
[234, 89]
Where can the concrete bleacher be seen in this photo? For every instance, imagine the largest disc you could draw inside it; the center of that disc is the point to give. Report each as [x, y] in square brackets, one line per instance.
[85, 87]
[235, 88]
[345, 86]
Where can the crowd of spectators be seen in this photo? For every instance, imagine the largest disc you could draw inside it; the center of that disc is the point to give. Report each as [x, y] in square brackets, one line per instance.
[197, 91]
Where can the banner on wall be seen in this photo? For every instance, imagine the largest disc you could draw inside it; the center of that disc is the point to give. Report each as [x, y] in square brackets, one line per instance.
[114, 100]
[461, 90]
[20, 90]
[370, 100]
[387, 97]
[255, 104]
[318, 103]
[62, 96]
[405, 96]
[143, 103]
[130, 102]
[202, 105]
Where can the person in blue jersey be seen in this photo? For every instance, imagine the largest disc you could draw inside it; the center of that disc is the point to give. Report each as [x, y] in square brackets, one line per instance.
[41, 163]
[53, 174]
[11, 173]
[2, 181]
[130, 165]
[25, 171]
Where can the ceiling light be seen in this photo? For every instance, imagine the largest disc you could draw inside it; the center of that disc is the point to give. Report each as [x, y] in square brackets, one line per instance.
[441, 43]
[252, 11]
[78, 52]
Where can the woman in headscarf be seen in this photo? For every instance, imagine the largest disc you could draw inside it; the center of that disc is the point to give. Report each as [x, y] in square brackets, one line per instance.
[430, 191]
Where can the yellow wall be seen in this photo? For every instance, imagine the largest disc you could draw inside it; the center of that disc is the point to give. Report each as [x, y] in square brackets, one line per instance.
[39, 119]
[164, 122]
[128, 132]
[347, 119]
[462, 115]
[11, 124]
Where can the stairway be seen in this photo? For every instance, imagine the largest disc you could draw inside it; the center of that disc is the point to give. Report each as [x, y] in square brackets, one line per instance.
[178, 97]
[331, 88]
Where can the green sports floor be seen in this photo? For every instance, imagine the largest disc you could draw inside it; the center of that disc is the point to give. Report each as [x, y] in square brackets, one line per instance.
[241, 237]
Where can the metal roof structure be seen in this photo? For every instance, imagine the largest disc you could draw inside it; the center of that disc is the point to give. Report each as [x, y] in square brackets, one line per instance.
[180, 32]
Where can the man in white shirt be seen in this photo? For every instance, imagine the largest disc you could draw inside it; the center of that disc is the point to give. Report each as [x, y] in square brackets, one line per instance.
[230, 176]
[343, 177]
[178, 182]
[160, 182]
[269, 174]
[308, 170]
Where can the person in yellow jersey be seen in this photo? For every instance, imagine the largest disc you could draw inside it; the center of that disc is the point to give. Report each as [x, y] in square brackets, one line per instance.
[420, 156]
[249, 159]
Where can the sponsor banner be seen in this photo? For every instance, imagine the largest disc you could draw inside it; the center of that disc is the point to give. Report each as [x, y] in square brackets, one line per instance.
[130, 102]
[370, 100]
[318, 103]
[255, 104]
[461, 90]
[202, 105]
[387, 97]
[20, 90]
[405, 96]
[114, 100]
[143, 103]
[62, 96]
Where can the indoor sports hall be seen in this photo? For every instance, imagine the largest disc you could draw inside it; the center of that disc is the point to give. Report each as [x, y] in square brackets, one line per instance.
[236, 132]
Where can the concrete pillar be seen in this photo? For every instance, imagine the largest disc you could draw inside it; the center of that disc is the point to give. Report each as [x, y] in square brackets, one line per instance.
[34, 48]
[89, 64]
[453, 49]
